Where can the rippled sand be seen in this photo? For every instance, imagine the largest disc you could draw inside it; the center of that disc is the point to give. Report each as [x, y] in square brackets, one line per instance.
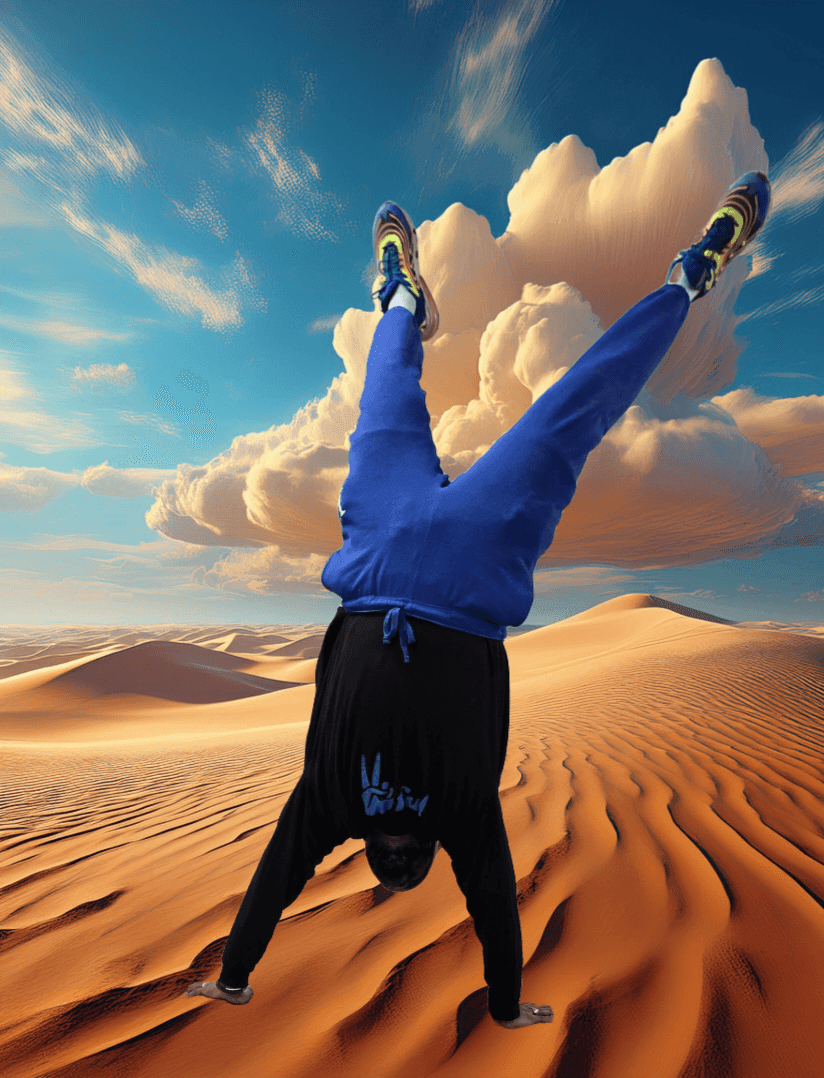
[664, 800]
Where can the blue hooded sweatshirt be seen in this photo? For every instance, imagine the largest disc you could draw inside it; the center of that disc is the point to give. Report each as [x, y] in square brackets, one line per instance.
[462, 554]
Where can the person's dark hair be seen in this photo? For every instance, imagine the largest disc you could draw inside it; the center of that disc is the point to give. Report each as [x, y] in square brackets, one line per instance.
[400, 862]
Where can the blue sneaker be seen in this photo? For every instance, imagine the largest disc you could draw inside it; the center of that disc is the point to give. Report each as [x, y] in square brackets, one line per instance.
[395, 243]
[727, 233]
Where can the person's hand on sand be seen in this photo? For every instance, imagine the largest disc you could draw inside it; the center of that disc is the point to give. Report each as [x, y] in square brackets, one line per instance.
[211, 990]
[529, 1016]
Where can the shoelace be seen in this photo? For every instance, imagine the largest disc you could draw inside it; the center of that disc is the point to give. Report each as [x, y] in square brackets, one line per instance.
[721, 230]
[391, 261]
[390, 268]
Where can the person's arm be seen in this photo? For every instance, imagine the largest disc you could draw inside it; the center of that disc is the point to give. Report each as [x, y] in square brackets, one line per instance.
[302, 838]
[483, 868]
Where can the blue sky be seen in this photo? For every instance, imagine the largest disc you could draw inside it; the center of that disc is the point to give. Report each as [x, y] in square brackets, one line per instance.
[186, 199]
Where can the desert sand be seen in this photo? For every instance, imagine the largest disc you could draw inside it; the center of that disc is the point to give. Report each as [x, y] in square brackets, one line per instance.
[664, 800]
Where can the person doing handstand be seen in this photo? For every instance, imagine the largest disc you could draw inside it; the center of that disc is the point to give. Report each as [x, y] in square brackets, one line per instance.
[410, 722]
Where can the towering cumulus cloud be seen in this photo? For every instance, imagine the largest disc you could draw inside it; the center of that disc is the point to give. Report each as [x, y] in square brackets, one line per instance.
[686, 475]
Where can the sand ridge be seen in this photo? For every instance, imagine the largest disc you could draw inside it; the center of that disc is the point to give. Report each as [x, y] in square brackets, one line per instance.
[664, 800]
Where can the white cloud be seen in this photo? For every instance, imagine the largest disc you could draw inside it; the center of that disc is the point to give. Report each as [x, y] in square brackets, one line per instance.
[124, 482]
[805, 297]
[31, 587]
[23, 423]
[267, 488]
[135, 571]
[306, 208]
[27, 421]
[27, 489]
[121, 376]
[798, 180]
[262, 572]
[65, 332]
[30, 489]
[479, 111]
[46, 542]
[41, 432]
[324, 325]
[203, 213]
[593, 578]
[43, 111]
[80, 335]
[762, 260]
[220, 153]
[797, 184]
[64, 144]
[16, 210]
[174, 279]
[148, 421]
[789, 430]
[12, 385]
[489, 67]
[143, 556]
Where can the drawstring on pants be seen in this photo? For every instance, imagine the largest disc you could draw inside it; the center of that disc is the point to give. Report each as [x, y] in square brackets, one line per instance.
[395, 619]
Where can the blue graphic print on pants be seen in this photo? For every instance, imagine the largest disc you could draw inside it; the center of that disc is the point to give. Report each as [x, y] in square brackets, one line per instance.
[379, 798]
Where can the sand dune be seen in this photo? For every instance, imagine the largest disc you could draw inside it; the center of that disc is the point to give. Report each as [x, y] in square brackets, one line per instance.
[664, 799]
[182, 673]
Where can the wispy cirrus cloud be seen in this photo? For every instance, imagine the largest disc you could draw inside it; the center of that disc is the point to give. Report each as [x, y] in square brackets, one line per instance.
[16, 210]
[798, 180]
[111, 482]
[121, 376]
[597, 579]
[64, 143]
[203, 213]
[479, 109]
[488, 70]
[45, 111]
[805, 297]
[306, 208]
[43, 541]
[797, 191]
[105, 572]
[25, 421]
[172, 278]
[324, 325]
[69, 333]
[57, 330]
[145, 420]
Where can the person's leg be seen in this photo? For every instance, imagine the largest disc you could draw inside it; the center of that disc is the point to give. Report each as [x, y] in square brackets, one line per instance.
[519, 475]
[393, 437]
[393, 434]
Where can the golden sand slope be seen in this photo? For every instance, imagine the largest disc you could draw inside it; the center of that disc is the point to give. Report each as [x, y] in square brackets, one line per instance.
[128, 686]
[664, 799]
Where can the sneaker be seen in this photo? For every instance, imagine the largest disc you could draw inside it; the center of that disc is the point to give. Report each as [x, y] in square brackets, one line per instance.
[728, 231]
[395, 243]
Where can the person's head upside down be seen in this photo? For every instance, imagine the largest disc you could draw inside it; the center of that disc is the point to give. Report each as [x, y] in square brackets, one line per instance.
[400, 862]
